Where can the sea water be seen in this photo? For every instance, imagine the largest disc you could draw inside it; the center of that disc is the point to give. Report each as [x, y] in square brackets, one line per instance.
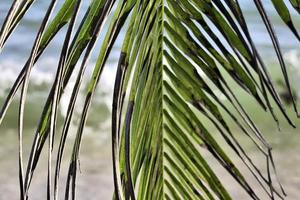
[95, 179]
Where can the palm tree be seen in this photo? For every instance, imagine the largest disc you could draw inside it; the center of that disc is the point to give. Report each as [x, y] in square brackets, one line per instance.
[172, 68]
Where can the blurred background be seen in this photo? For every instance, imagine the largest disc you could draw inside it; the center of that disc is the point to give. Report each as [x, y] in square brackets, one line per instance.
[95, 177]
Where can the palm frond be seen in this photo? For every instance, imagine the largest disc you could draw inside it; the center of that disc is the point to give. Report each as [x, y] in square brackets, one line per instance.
[172, 68]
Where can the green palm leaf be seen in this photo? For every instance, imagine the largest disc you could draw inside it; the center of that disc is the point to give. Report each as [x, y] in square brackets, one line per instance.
[172, 68]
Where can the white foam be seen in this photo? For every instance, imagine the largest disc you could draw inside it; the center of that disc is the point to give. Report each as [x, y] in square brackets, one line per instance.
[293, 59]
[103, 93]
[10, 70]
[43, 74]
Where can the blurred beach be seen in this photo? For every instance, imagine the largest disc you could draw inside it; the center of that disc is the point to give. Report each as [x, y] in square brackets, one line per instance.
[95, 177]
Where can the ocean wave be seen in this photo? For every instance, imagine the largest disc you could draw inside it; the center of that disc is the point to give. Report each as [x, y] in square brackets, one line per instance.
[43, 73]
[292, 58]
[41, 79]
[10, 69]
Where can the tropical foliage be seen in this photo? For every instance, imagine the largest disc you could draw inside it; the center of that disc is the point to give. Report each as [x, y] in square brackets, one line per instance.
[176, 60]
